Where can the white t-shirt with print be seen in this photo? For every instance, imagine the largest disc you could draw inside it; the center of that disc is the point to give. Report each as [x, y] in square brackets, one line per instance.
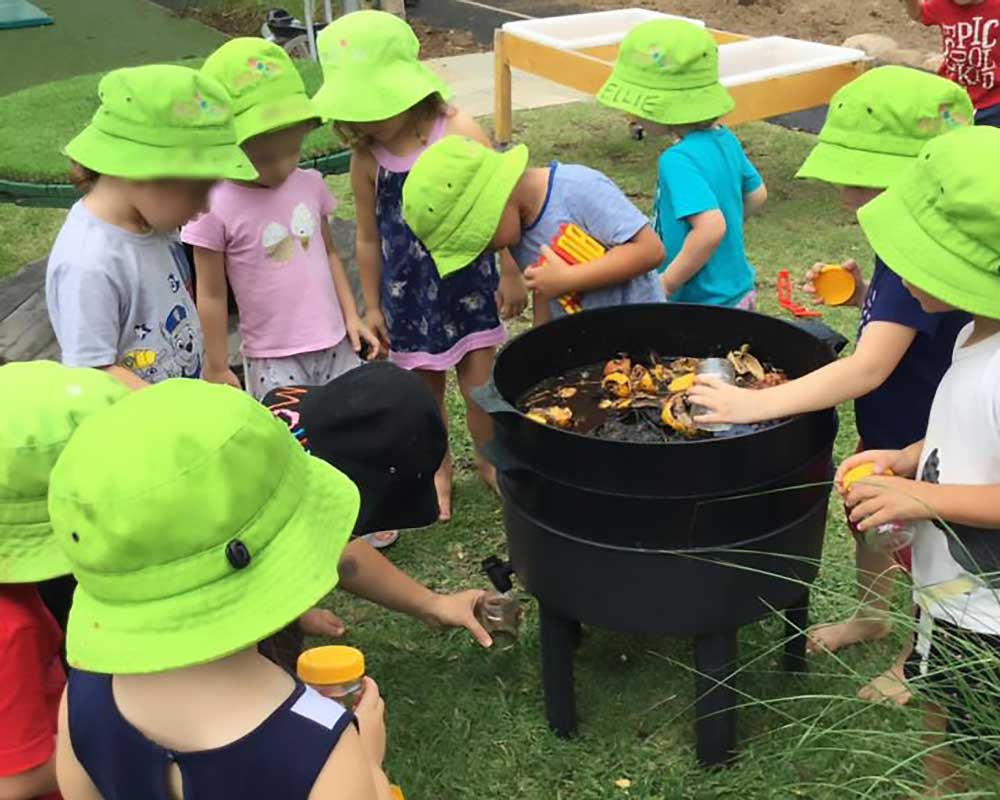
[956, 574]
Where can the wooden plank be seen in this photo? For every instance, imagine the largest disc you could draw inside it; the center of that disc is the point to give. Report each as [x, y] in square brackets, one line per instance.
[503, 122]
[27, 334]
[19, 287]
[567, 67]
[726, 37]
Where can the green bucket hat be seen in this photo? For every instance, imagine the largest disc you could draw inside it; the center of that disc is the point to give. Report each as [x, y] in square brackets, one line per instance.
[265, 89]
[161, 121]
[878, 123]
[371, 69]
[667, 71]
[194, 537]
[938, 225]
[454, 197]
[44, 402]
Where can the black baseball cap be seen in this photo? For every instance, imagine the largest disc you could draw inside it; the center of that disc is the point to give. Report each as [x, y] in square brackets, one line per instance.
[379, 425]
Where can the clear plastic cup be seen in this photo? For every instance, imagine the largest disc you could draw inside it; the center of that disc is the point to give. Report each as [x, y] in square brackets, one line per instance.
[716, 368]
[500, 614]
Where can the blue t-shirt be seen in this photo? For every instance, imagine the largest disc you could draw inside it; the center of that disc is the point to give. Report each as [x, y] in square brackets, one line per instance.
[895, 414]
[590, 200]
[705, 171]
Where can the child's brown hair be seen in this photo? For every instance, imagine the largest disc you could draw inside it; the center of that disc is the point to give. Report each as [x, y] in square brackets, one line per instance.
[83, 178]
[431, 107]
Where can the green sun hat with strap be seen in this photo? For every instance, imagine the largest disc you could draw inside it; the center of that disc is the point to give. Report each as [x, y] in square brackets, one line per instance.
[455, 195]
[371, 69]
[265, 89]
[878, 123]
[161, 121]
[667, 71]
[196, 526]
[44, 403]
[938, 225]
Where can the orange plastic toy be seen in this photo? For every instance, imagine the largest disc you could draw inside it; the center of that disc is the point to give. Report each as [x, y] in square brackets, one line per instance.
[835, 285]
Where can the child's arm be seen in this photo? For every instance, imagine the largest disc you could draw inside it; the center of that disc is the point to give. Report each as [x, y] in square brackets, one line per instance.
[213, 311]
[541, 312]
[707, 231]
[877, 500]
[619, 265]
[754, 201]
[368, 574]
[367, 243]
[351, 770]
[356, 329]
[125, 377]
[74, 783]
[879, 351]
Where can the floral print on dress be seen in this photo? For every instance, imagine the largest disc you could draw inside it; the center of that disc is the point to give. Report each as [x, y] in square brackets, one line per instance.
[424, 312]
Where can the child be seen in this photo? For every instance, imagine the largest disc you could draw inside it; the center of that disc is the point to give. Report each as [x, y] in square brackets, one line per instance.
[970, 32]
[876, 126]
[270, 239]
[43, 404]
[182, 570]
[938, 227]
[390, 108]
[115, 282]
[666, 77]
[462, 199]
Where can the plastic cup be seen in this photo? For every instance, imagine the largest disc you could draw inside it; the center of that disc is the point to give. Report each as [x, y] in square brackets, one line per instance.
[834, 285]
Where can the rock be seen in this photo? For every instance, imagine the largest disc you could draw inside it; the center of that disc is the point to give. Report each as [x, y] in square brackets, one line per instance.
[933, 62]
[906, 57]
[874, 44]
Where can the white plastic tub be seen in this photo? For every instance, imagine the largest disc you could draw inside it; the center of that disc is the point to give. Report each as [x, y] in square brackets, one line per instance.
[582, 31]
[756, 60]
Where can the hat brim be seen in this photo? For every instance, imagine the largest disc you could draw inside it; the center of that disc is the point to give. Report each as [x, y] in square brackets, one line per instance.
[123, 158]
[268, 117]
[29, 551]
[907, 249]
[845, 166]
[488, 208]
[666, 107]
[390, 91]
[296, 570]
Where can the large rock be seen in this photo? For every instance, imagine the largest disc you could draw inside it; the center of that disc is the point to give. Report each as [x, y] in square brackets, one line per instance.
[906, 57]
[933, 62]
[874, 44]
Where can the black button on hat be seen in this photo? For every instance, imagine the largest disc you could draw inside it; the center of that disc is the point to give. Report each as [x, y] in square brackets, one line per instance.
[238, 554]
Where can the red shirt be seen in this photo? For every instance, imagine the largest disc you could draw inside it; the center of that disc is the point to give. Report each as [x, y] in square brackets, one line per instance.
[969, 37]
[31, 680]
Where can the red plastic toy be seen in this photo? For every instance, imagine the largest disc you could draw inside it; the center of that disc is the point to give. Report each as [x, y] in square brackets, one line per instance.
[785, 298]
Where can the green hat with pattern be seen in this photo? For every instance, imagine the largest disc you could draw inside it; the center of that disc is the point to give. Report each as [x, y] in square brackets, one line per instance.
[371, 69]
[196, 526]
[44, 402]
[265, 89]
[878, 123]
[667, 71]
[454, 197]
[161, 121]
[938, 225]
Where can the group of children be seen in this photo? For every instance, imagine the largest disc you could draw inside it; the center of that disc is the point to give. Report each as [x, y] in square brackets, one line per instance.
[188, 578]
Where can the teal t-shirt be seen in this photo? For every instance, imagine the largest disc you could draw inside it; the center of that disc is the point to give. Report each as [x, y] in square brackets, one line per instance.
[707, 170]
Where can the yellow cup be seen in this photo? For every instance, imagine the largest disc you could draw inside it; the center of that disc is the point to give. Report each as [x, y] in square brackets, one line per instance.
[835, 285]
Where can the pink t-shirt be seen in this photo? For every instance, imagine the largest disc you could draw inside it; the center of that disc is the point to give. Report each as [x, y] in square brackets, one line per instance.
[276, 262]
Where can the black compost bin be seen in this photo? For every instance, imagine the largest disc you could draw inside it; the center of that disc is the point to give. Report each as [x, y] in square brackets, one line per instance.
[693, 538]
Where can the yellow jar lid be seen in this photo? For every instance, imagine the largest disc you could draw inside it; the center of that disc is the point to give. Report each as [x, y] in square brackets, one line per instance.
[331, 664]
[860, 472]
[835, 285]
[396, 792]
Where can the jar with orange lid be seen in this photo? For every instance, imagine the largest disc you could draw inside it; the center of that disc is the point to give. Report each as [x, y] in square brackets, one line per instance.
[335, 671]
[889, 536]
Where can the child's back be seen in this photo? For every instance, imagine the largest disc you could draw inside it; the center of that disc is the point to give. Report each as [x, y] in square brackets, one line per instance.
[706, 170]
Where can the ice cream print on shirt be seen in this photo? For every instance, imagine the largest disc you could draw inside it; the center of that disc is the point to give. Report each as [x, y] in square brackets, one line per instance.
[279, 242]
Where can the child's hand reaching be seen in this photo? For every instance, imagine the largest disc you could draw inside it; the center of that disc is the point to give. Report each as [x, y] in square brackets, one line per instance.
[225, 376]
[512, 294]
[375, 323]
[459, 611]
[358, 331]
[860, 287]
[552, 278]
[370, 712]
[727, 404]
[880, 499]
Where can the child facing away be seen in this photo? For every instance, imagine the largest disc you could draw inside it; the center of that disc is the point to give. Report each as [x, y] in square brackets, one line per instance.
[462, 199]
[168, 695]
[938, 227]
[970, 32]
[666, 78]
[116, 277]
[390, 108]
[269, 238]
[875, 129]
[43, 404]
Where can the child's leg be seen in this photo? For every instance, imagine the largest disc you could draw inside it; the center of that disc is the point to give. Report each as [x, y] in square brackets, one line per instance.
[890, 686]
[473, 371]
[940, 768]
[437, 381]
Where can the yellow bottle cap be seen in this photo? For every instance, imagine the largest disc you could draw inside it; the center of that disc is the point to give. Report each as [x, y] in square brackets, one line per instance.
[860, 472]
[323, 666]
[835, 285]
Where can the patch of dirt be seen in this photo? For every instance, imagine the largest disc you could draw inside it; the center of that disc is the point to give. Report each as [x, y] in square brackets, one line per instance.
[830, 21]
[434, 42]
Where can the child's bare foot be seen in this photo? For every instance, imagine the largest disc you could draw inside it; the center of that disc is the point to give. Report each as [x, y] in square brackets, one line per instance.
[837, 636]
[442, 483]
[889, 687]
[320, 622]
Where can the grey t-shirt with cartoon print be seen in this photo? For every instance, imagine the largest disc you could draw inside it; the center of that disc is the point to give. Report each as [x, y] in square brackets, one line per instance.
[116, 297]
